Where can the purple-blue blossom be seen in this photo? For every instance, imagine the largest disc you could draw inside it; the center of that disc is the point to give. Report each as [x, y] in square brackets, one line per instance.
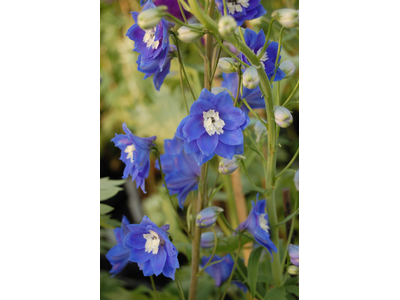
[155, 52]
[214, 126]
[135, 152]
[151, 249]
[256, 42]
[242, 10]
[118, 256]
[220, 271]
[294, 254]
[257, 224]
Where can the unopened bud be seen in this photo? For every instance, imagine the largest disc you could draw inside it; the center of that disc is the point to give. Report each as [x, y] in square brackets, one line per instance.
[288, 68]
[207, 239]
[208, 216]
[260, 130]
[227, 65]
[150, 18]
[190, 35]
[287, 17]
[226, 26]
[283, 117]
[228, 166]
[293, 270]
[251, 78]
[296, 180]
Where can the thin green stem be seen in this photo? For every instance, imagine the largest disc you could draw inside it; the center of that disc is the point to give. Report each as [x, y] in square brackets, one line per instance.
[256, 146]
[229, 52]
[239, 84]
[241, 34]
[291, 95]
[216, 63]
[256, 188]
[290, 235]
[289, 164]
[279, 53]
[183, 89]
[278, 90]
[264, 48]
[254, 113]
[215, 249]
[214, 192]
[214, 185]
[179, 286]
[181, 23]
[232, 213]
[154, 287]
[233, 269]
[225, 9]
[182, 12]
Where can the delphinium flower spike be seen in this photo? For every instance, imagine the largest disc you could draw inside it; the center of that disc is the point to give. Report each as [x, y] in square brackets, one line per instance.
[242, 10]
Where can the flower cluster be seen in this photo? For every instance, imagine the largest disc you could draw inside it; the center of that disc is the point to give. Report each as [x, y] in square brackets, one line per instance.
[145, 244]
[242, 10]
[135, 152]
[155, 52]
[214, 126]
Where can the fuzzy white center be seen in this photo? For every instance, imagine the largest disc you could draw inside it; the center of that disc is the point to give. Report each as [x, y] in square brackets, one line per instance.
[152, 242]
[212, 123]
[264, 57]
[129, 149]
[236, 5]
[149, 38]
[263, 222]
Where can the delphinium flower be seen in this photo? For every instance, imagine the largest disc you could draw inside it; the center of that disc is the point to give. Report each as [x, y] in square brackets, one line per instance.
[242, 10]
[294, 254]
[151, 249]
[182, 171]
[155, 52]
[214, 126]
[256, 42]
[221, 271]
[118, 256]
[135, 152]
[257, 224]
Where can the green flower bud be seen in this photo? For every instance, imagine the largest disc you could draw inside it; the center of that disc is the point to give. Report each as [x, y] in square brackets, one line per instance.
[208, 216]
[190, 35]
[227, 65]
[260, 130]
[288, 68]
[293, 270]
[228, 166]
[251, 78]
[150, 18]
[226, 26]
[283, 117]
[287, 17]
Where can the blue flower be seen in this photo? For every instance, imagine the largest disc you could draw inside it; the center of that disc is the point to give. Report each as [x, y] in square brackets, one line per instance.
[219, 271]
[257, 224]
[256, 42]
[118, 256]
[253, 97]
[242, 10]
[214, 126]
[294, 254]
[135, 152]
[151, 249]
[155, 52]
[182, 171]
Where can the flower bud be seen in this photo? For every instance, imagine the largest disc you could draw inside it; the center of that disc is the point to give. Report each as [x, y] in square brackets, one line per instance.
[227, 65]
[226, 26]
[207, 239]
[251, 78]
[296, 179]
[293, 270]
[228, 166]
[150, 18]
[283, 117]
[288, 68]
[190, 35]
[287, 17]
[208, 216]
[260, 130]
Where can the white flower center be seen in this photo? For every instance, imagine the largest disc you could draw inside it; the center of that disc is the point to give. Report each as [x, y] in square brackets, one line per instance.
[264, 57]
[152, 242]
[212, 123]
[236, 5]
[149, 38]
[129, 149]
[263, 222]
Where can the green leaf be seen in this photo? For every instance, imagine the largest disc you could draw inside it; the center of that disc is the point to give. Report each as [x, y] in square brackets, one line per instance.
[253, 269]
[294, 289]
[107, 222]
[230, 243]
[109, 188]
[105, 209]
[276, 293]
[288, 218]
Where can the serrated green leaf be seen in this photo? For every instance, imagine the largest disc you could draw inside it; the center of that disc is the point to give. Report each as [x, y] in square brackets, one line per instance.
[105, 209]
[276, 293]
[109, 188]
[252, 268]
[294, 289]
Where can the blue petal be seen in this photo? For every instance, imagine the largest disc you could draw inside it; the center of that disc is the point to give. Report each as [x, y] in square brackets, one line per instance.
[147, 268]
[158, 261]
[279, 75]
[169, 272]
[200, 106]
[222, 101]
[206, 95]
[179, 131]
[232, 116]
[159, 76]
[191, 147]
[232, 137]
[139, 255]
[224, 150]
[201, 158]
[194, 128]
[207, 143]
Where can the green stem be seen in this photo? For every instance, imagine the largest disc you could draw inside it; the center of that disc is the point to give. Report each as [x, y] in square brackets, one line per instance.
[154, 287]
[256, 188]
[213, 253]
[182, 12]
[233, 269]
[256, 146]
[183, 89]
[241, 34]
[290, 235]
[264, 48]
[233, 217]
[239, 84]
[289, 164]
[291, 95]
[179, 286]
[229, 52]
[181, 23]
[279, 53]
[225, 9]
[216, 63]
[278, 89]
